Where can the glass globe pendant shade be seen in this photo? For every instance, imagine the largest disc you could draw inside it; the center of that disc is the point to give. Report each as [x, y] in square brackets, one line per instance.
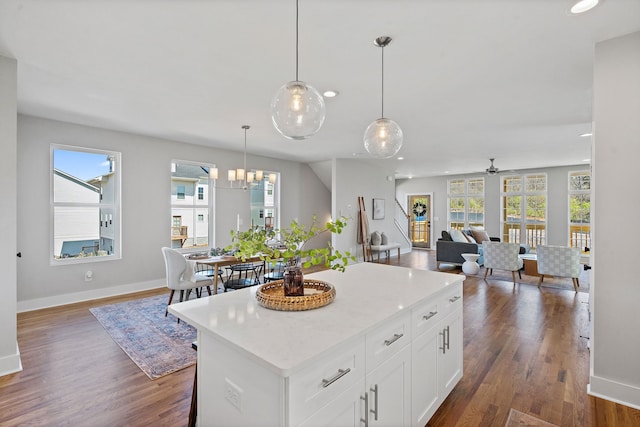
[383, 138]
[297, 110]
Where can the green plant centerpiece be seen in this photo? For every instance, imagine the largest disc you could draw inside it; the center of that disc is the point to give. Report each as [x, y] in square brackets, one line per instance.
[287, 245]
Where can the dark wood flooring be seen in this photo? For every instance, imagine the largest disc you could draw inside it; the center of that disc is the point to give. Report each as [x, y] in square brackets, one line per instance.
[524, 348]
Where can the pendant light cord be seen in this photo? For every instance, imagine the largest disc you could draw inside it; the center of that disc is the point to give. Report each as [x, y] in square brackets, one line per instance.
[297, 40]
[382, 112]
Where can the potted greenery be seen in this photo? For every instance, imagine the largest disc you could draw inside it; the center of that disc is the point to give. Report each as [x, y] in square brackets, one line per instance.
[288, 246]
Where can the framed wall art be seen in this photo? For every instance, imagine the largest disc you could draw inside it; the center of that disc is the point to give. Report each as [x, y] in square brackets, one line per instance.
[378, 208]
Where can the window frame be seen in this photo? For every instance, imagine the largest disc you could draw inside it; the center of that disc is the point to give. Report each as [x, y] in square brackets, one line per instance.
[524, 222]
[194, 207]
[465, 196]
[114, 217]
[577, 192]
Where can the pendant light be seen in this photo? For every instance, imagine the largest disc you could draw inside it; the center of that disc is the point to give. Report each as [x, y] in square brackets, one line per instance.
[297, 109]
[383, 137]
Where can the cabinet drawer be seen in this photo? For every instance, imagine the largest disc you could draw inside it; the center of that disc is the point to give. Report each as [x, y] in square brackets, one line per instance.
[388, 340]
[452, 299]
[425, 316]
[315, 386]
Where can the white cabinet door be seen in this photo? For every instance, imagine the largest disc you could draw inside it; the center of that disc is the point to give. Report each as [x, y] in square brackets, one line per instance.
[424, 376]
[389, 391]
[450, 352]
[345, 410]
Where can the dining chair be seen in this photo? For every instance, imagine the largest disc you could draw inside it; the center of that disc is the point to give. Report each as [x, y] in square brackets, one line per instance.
[559, 261]
[243, 275]
[503, 256]
[181, 275]
[276, 271]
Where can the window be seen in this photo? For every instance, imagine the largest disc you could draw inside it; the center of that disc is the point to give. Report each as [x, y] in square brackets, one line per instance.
[180, 191]
[466, 203]
[524, 209]
[191, 205]
[265, 204]
[85, 204]
[580, 209]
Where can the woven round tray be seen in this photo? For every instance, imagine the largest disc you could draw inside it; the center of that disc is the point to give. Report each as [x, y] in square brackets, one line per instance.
[317, 294]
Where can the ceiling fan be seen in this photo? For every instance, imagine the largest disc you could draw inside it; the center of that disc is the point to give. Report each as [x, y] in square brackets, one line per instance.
[492, 170]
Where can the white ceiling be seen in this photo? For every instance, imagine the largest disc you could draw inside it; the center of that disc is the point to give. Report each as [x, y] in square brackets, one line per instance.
[465, 79]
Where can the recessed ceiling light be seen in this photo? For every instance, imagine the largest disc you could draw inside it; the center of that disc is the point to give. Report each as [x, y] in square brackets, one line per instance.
[586, 134]
[586, 160]
[582, 6]
[400, 158]
[330, 93]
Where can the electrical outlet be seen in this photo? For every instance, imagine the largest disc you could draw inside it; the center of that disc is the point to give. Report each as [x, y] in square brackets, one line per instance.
[233, 394]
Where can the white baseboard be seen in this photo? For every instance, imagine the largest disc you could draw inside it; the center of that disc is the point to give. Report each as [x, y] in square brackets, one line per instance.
[57, 300]
[10, 364]
[614, 391]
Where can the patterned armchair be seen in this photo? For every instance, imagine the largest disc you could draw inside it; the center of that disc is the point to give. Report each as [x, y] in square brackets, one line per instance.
[503, 256]
[559, 261]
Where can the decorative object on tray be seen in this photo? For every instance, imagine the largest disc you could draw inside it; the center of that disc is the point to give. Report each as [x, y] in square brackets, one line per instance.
[287, 245]
[316, 293]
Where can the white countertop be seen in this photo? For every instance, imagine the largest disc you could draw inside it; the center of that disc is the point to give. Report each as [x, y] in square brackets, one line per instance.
[366, 294]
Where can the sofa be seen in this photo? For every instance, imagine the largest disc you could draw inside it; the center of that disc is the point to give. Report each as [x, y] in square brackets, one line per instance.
[449, 249]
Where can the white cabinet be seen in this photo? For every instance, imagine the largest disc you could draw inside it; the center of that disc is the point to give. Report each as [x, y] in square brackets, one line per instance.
[436, 354]
[385, 353]
[379, 397]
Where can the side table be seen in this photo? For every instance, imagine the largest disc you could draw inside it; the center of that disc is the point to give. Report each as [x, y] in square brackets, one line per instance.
[470, 265]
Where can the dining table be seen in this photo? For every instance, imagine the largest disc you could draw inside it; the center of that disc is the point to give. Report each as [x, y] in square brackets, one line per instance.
[222, 261]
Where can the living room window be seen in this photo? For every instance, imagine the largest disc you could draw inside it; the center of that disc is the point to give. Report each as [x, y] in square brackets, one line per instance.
[580, 209]
[85, 205]
[191, 205]
[524, 209]
[466, 203]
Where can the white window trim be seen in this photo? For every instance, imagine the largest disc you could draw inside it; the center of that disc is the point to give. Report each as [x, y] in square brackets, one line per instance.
[117, 213]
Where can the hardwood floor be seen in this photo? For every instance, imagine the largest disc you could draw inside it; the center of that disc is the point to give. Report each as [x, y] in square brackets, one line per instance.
[523, 349]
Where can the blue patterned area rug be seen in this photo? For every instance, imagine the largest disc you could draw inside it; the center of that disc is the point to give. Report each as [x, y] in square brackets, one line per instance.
[158, 345]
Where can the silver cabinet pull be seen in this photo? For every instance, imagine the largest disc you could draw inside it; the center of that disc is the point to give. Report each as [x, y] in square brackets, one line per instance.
[448, 336]
[430, 315]
[375, 402]
[454, 299]
[444, 342]
[365, 420]
[341, 373]
[393, 339]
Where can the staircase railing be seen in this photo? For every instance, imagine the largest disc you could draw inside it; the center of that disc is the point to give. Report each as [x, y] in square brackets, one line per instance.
[401, 220]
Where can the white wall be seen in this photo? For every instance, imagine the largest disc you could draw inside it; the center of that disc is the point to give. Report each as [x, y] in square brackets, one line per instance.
[146, 213]
[557, 200]
[9, 354]
[353, 178]
[615, 292]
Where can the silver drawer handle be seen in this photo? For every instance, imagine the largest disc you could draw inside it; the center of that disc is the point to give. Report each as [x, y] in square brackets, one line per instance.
[430, 315]
[454, 299]
[395, 338]
[341, 373]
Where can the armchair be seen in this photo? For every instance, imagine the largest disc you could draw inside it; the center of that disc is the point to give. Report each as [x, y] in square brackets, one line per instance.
[559, 261]
[503, 256]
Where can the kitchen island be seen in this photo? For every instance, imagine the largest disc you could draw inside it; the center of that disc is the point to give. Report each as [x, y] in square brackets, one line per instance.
[386, 351]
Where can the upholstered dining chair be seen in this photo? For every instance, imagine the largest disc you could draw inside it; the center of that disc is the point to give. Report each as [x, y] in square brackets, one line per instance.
[559, 261]
[181, 275]
[503, 256]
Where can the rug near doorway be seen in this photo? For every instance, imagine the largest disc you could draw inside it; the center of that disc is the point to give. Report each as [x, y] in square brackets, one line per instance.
[159, 345]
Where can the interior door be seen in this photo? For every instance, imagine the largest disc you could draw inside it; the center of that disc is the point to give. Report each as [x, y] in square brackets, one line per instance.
[419, 220]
